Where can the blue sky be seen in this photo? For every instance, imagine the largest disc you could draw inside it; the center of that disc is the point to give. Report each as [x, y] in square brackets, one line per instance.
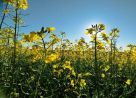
[74, 16]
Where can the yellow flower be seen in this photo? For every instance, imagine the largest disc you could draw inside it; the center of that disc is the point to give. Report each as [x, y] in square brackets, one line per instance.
[55, 66]
[31, 36]
[82, 83]
[108, 42]
[100, 45]
[60, 71]
[103, 75]
[10, 1]
[106, 68]
[104, 36]
[68, 76]
[79, 75]
[101, 26]
[86, 32]
[128, 82]
[90, 30]
[72, 83]
[73, 73]
[23, 4]
[50, 29]
[6, 11]
[25, 37]
[37, 57]
[67, 65]
[52, 58]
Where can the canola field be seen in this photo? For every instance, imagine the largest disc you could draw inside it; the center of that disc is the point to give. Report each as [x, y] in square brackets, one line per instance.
[42, 64]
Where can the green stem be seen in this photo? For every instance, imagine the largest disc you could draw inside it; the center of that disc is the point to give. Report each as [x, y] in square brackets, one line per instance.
[96, 65]
[62, 50]
[3, 17]
[111, 52]
[44, 48]
[15, 35]
[114, 51]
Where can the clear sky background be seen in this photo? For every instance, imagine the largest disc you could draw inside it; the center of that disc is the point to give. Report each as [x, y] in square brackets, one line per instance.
[74, 16]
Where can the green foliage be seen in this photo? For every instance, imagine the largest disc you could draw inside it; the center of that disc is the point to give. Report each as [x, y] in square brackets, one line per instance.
[43, 65]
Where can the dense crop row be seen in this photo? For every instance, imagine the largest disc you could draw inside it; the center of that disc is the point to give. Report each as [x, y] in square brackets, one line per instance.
[42, 65]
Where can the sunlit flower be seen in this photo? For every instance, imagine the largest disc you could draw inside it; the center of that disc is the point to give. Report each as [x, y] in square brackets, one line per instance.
[100, 45]
[59, 71]
[23, 4]
[128, 81]
[31, 36]
[68, 77]
[90, 30]
[67, 65]
[55, 66]
[25, 37]
[86, 32]
[103, 75]
[50, 29]
[101, 27]
[37, 57]
[79, 75]
[72, 83]
[10, 1]
[104, 36]
[106, 68]
[82, 83]
[114, 33]
[52, 58]
[6, 11]
[73, 73]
